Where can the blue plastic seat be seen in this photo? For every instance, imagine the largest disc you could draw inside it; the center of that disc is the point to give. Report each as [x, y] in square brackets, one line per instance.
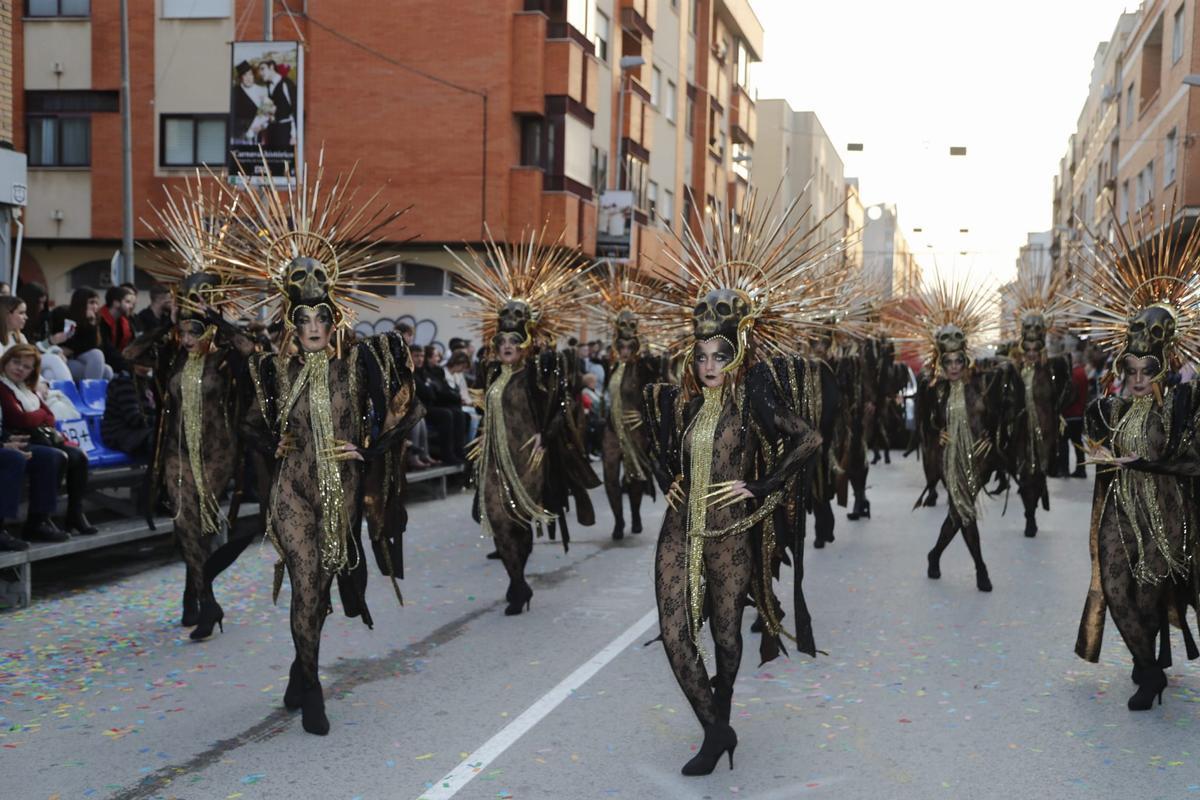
[95, 393]
[86, 433]
[72, 393]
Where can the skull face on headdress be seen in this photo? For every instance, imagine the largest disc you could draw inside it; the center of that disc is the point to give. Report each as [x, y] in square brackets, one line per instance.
[515, 317]
[719, 313]
[194, 293]
[1033, 332]
[950, 339]
[1150, 334]
[307, 281]
[626, 329]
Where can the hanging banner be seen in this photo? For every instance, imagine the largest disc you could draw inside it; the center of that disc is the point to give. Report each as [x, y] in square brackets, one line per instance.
[266, 109]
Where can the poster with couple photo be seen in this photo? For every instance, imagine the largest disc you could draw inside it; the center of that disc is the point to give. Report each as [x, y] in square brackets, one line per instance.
[266, 110]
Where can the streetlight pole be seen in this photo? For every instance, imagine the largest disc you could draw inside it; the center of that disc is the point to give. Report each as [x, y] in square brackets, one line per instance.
[268, 20]
[126, 270]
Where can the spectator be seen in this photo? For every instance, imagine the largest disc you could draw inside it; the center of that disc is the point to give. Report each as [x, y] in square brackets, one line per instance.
[25, 413]
[158, 313]
[456, 377]
[595, 412]
[116, 330]
[1073, 414]
[406, 333]
[130, 413]
[442, 410]
[5, 289]
[43, 465]
[14, 319]
[82, 346]
[591, 361]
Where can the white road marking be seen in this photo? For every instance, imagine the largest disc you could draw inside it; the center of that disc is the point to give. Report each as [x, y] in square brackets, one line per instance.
[490, 750]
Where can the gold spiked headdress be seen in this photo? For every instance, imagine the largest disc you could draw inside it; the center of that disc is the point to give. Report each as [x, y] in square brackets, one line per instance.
[763, 283]
[195, 222]
[621, 303]
[530, 288]
[1039, 304]
[1140, 293]
[312, 244]
[942, 318]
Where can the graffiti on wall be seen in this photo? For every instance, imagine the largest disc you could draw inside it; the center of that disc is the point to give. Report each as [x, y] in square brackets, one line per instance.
[425, 330]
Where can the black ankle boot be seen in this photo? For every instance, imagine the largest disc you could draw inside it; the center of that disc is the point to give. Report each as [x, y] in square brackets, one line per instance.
[636, 527]
[934, 570]
[211, 615]
[1031, 526]
[519, 597]
[77, 521]
[293, 695]
[722, 697]
[862, 509]
[10, 542]
[887, 456]
[312, 709]
[618, 530]
[930, 500]
[719, 739]
[982, 582]
[41, 528]
[493, 556]
[191, 608]
[1152, 682]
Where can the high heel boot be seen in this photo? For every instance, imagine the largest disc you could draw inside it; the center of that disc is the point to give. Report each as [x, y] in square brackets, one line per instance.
[862, 509]
[722, 697]
[519, 596]
[191, 607]
[1153, 682]
[211, 615]
[719, 739]
[312, 709]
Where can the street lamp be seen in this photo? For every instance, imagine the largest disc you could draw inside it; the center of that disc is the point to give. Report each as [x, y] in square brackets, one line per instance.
[626, 64]
[1191, 80]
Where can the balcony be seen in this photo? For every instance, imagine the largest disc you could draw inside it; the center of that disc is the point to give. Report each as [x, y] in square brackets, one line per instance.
[638, 125]
[636, 17]
[551, 59]
[743, 118]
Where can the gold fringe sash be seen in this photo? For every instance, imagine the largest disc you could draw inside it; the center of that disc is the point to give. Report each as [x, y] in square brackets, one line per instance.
[191, 392]
[961, 471]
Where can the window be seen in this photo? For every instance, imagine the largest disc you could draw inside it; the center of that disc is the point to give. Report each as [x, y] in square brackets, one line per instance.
[669, 102]
[599, 169]
[59, 141]
[689, 118]
[1151, 63]
[634, 180]
[77, 101]
[666, 208]
[423, 280]
[188, 140]
[1177, 37]
[742, 66]
[655, 86]
[693, 16]
[58, 8]
[1170, 154]
[652, 199]
[601, 38]
[1129, 106]
[531, 142]
[1150, 181]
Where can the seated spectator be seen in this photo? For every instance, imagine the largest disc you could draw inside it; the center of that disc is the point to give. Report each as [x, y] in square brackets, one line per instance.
[43, 465]
[14, 318]
[456, 377]
[27, 414]
[82, 345]
[116, 330]
[158, 313]
[130, 413]
[443, 411]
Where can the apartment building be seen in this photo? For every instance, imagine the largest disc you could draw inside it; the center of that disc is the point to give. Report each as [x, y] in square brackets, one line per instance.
[516, 114]
[855, 220]
[888, 261]
[796, 155]
[13, 177]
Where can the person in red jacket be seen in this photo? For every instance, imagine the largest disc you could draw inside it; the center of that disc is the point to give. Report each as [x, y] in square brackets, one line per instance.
[1073, 414]
[116, 331]
[26, 413]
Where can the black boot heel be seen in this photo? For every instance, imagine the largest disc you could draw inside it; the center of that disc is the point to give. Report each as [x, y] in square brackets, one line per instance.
[1153, 684]
[519, 599]
[934, 571]
[637, 525]
[618, 531]
[982, 582]
[719, 739]
[211, 614]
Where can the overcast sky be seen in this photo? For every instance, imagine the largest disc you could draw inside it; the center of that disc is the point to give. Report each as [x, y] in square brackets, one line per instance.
[910, 78]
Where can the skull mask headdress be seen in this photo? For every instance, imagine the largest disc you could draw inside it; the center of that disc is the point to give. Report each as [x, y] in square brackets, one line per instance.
[529, 290]
[1039, 301]
[315, 247]
[942, 319]
[1139, 295]
[622, 302]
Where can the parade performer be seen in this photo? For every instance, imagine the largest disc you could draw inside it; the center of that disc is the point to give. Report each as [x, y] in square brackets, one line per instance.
[198, 363]
[529, 456]
[829, 478]
[1140, 297]
[1037, 385]
[961, 405]
[730, 444]
[624, 447]
[325, 404]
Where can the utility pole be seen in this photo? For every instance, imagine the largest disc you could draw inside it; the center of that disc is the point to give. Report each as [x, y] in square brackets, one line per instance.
[126, 152]
[268, 20]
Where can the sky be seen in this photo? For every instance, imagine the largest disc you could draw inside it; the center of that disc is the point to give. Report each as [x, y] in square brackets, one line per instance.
[911, 78]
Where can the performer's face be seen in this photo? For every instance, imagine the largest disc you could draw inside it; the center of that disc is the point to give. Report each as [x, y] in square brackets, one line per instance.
[1139, 375]
[953, 365]
[508, 349]
[625, 350]
[313, 328]
[189, 335]
[711, 357]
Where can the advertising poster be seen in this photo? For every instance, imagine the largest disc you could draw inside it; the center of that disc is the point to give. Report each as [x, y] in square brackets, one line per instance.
[266, 111]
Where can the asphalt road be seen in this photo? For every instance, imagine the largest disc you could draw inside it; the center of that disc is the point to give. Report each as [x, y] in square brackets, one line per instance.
[929, 688]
